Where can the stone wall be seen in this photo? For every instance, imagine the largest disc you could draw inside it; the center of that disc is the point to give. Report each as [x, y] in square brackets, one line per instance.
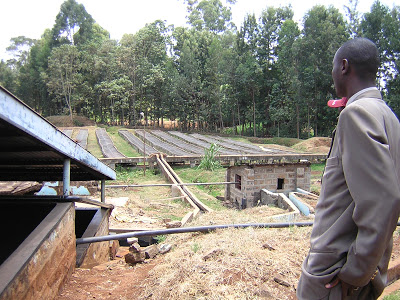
[278, 178]
[45, 260]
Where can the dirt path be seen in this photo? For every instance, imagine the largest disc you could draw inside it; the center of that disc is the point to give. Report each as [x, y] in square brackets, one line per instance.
[112, 280]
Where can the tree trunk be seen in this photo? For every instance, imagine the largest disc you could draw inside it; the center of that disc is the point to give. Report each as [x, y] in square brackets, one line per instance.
[297, 121]
[308, 121]
[254, 114]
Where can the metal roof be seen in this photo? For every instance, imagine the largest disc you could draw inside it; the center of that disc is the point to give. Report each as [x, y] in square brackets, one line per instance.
[31, 148]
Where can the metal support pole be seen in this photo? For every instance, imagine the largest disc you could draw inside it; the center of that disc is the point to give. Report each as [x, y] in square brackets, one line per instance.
[66, 176]
[103, 191]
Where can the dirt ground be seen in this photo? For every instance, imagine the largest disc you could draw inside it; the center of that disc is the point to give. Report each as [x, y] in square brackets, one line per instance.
[111, 280]
[226, 264]
[230, 266]
[314, 145]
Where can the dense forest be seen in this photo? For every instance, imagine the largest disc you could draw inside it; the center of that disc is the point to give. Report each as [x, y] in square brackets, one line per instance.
[267, 77]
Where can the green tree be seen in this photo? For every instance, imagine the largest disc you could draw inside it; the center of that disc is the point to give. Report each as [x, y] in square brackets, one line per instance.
[271, 21]
[209, 15]
[116, 93]
[248, 72]
[63, 74]
[286, 91]
[73, 24]
[98, 63]
[375, 26]
[8, 77]
[354, 17]
[323, 32]
[142, 57]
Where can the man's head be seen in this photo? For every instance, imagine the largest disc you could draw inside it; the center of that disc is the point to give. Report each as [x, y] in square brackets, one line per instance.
[355, 66]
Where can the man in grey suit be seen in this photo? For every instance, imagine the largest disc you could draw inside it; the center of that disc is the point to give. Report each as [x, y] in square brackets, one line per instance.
[359, 204]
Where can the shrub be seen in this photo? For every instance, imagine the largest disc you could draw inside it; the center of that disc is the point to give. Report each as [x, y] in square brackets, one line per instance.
[209, 162]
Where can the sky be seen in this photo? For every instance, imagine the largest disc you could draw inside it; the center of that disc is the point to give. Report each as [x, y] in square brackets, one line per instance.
[31, 18]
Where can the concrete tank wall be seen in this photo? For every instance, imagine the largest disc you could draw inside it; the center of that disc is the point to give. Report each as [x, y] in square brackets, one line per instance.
[40, 266]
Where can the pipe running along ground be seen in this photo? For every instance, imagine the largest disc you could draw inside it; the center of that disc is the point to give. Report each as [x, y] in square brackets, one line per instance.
[123, 236]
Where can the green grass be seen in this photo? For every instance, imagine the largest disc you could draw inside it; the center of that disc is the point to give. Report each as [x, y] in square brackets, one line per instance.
[316, 174]
[209, 162]
[127, 175]
[92, 145]
[393, 296]
[161, 238]
[122, 145]
[172, 217]
[318, 167]
[195, 175]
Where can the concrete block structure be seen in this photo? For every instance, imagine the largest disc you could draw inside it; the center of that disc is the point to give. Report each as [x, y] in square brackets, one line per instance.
[277, 178]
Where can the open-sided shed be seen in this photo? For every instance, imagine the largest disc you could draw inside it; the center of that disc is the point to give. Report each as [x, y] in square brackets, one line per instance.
[38, 250]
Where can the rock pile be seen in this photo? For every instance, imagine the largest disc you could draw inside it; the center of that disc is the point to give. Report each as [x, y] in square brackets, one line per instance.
[138, 254]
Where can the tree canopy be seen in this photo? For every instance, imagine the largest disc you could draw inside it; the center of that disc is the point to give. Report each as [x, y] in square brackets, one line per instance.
[268, 76]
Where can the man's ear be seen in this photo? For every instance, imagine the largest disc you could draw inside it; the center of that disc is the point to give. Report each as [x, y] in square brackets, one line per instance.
[345, 67]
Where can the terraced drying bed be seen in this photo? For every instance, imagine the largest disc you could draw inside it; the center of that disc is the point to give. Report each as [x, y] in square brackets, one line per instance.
[162, 146]
[82, 137]
[247, 148]
[201, 143]
[178, 142]
[68, 132]
[136, 142]
[237, 148]
[107, 146]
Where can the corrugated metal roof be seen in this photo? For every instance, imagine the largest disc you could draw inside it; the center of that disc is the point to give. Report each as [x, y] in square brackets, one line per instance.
[31, 148]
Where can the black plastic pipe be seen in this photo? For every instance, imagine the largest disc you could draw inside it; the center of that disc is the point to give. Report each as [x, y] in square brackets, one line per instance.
[123, 236]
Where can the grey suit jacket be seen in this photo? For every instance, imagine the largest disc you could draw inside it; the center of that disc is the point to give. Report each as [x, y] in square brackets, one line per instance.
[359, 204]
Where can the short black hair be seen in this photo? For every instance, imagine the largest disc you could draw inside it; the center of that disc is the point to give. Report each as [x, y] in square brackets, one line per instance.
[363, 55]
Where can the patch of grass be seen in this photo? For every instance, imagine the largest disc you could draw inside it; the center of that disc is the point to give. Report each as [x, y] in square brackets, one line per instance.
[393, 296]
[316, 174]
[122, 145]
[181, 202]
[92, 145]
[205, 193]
[209, 162]
[196, 247]
[160, 238]
[172, 217]
[299, 147]
[127, 175]
[318, 167]
[212, 203]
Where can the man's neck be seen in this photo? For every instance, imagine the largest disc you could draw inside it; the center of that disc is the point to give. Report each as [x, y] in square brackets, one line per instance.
[359, 86]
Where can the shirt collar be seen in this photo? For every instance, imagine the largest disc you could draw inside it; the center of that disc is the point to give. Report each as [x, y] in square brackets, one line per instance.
[352, 98]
